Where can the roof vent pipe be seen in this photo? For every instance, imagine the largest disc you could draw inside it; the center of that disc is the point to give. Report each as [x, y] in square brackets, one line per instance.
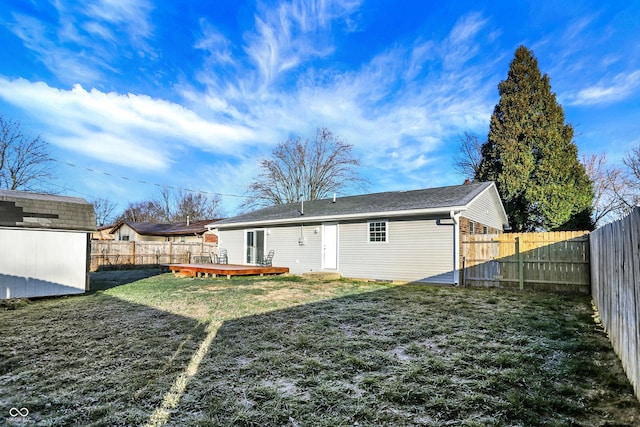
[334, 197]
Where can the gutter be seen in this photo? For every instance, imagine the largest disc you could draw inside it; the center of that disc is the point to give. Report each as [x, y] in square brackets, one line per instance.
[325, 218]
[456, 245]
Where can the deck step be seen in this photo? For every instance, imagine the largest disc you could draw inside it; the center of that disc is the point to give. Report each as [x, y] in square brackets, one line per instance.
[322, 275]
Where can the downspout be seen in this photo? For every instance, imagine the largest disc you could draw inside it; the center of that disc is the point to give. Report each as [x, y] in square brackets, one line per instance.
[456, 245]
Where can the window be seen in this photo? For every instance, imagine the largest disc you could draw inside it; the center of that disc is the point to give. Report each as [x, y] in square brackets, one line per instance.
[378, 231]
[124, 238]
[471, 227]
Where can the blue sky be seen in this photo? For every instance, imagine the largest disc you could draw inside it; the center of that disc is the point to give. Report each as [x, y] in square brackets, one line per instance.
[192, 94]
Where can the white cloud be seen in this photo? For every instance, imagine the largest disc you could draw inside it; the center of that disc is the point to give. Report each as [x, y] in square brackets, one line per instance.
[292, 33]
[74, 66]
[133, 130]
[214, 43]
[82, 45]
[396, 119]
[619, 88]
[461, 45]
[381, 108]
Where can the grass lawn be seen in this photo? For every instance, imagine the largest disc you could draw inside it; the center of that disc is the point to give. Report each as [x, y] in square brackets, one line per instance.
[290, 352]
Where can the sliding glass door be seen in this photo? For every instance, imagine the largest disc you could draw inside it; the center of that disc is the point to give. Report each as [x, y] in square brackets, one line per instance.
[255, 246]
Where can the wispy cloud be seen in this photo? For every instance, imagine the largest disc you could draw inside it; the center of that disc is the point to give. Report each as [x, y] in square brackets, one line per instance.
[461, 45]
[620, 87]
[396, 102]
[398, 108]
[147, 133]
[292, 33]
[405, 116]
[82, 44]
[74, 66]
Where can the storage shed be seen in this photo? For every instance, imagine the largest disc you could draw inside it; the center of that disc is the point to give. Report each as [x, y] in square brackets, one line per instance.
[399, 235]
[44, 244]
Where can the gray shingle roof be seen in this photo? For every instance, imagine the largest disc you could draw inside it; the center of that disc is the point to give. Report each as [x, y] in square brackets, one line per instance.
[34, 210]
[441, 198]
[156, 229]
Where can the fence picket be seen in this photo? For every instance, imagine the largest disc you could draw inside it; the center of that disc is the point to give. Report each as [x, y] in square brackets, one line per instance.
[615, 272]
[548, 260]
[112, 254]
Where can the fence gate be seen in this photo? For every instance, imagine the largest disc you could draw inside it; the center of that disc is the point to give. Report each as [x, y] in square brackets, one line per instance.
[555, 261]
[480, 266]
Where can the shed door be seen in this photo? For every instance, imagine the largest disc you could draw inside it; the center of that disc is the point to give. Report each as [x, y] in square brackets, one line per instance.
[330, 246]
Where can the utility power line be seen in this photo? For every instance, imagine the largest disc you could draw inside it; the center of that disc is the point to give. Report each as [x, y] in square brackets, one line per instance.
[148, 183]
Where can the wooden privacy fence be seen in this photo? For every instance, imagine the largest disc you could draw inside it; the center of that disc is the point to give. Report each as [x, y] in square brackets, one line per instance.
[615, 273]
[110, 254]
[554, 261]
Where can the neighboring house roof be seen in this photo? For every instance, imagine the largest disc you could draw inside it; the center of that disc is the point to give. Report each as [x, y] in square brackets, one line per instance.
[103, 233]
[439, 200]
[155, 229]
[34, 210]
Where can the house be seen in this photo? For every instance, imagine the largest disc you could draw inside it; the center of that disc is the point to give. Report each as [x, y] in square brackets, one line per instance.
[196, 231]
[44, 244]
[400, 236]
[103, 233]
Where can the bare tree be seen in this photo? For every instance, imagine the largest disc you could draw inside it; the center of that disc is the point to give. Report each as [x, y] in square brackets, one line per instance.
[195, 206]
[145, 211]
[164, 201]
[467, 160]
[309, 170]
[632, 161]
[103, 209]
[609, 188]
[25, 163]
[174, 206]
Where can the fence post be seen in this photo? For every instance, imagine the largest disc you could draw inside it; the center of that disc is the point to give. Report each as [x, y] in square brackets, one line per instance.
[520, 264]
[133, 253]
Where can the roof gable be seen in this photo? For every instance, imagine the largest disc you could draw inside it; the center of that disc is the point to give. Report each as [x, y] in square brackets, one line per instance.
[440, 199]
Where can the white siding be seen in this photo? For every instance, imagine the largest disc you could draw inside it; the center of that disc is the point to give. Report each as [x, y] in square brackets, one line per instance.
[233, 242]
[285, 241]
[486, 209]
[41, 263]
[300, 258]
[416, 250]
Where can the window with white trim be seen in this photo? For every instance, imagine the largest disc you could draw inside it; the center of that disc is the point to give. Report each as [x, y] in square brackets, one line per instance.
[377, 231]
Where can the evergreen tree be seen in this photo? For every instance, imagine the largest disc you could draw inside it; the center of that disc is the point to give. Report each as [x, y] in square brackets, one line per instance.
[531, 156]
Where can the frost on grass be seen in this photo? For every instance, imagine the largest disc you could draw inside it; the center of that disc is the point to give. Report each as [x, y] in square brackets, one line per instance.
[308, 353]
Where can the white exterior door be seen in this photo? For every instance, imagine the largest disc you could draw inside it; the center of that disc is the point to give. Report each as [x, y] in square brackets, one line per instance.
[330, 246]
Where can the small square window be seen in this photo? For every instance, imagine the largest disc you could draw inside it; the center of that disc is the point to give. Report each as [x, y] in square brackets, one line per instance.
[378, 231]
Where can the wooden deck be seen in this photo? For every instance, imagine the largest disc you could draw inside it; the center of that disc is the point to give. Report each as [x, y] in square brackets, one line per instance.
[214, 270]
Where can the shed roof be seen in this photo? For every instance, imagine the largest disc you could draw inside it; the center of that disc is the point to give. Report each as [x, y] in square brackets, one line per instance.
[34, 210]
[392, 203]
